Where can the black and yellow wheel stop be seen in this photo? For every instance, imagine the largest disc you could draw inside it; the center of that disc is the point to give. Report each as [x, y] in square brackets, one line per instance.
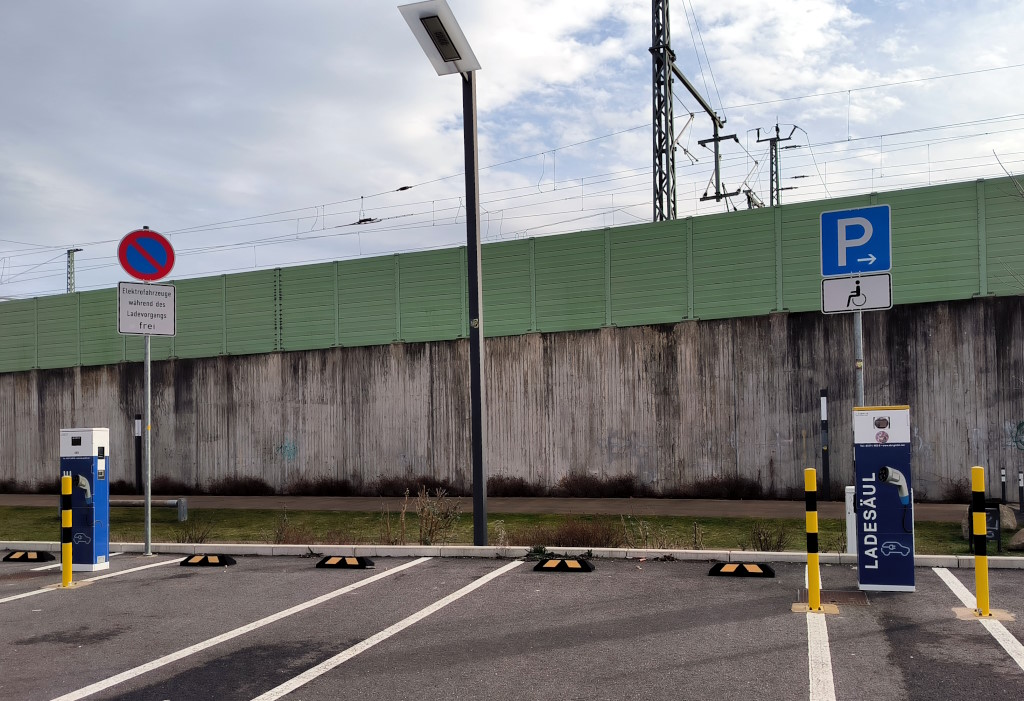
[350, 563]
[563, 564]
[741, 569]
[28, 556]
[208, 561]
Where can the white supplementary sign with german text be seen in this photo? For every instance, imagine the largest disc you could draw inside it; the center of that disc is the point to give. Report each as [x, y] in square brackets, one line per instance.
[144, 309]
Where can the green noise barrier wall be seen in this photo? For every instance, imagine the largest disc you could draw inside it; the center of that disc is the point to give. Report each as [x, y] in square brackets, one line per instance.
[950, 242]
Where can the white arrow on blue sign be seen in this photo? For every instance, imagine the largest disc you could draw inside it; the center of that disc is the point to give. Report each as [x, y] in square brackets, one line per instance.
[856, 241]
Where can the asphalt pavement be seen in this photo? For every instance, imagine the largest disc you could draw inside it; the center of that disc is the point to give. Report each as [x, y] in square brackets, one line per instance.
[451, 628]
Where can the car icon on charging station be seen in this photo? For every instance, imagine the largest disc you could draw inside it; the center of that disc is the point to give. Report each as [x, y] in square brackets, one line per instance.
[891, 547]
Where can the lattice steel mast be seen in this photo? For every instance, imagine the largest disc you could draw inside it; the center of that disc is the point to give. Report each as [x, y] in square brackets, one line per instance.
[664, 69]
[775, 176]
[71, 268]
[664, 128]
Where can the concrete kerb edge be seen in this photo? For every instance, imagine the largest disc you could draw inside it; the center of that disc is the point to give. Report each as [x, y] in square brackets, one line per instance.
[268, 550]
[764, 556]
[948, 561]
[995, 562]
[42, 545]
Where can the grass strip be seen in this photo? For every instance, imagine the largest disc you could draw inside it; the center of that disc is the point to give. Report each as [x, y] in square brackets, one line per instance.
[549, 530]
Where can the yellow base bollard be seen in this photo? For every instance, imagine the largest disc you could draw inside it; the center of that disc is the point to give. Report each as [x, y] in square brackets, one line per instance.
[813, 579]
[980, 540]
[65, 530]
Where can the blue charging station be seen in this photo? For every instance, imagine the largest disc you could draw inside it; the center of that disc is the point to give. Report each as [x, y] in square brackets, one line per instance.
[884, 499]
[85, 455]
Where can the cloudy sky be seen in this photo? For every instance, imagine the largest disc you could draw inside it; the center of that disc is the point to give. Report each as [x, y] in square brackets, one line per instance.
[256, 133]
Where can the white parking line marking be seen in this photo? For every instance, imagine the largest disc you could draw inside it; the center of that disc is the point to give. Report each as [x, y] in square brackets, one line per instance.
[962, 592]
[819, 659]
[231, 634]
[996, 628]
[134, 569]
[329, 664]
[998, 631]
[22, 596]
[34, 592]
[45, 567]
[1012, 646]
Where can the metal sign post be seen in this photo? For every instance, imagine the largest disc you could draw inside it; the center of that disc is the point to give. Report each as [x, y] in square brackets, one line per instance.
[856, 255]
[148, 469]
[146, 310]
[858, 351]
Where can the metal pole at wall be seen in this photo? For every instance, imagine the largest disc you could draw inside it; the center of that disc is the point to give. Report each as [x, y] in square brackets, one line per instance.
[826, 477]
[1020, 490]
[139, 489]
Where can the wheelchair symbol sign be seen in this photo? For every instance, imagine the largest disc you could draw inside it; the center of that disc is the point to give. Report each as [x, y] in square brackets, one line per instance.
[856, 293]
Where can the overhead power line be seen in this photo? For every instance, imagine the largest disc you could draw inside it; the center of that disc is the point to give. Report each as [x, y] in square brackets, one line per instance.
[876, 86]
[862, 148]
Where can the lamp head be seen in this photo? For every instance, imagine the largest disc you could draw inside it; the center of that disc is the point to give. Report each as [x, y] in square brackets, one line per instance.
[440, 36]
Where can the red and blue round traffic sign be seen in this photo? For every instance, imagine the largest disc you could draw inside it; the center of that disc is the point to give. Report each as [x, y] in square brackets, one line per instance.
[146, 255]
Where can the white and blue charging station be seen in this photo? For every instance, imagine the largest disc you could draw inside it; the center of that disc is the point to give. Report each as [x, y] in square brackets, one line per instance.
[884, 498]
[85, 454]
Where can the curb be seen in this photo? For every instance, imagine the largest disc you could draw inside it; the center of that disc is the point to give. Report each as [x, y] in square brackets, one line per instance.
[267, 550]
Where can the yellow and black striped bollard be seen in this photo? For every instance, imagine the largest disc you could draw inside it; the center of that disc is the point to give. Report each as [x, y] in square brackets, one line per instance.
[813, 579]
[980, 540]
[65, 529]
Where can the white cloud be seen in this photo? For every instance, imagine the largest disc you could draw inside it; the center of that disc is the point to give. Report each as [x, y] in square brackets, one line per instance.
[178, 115]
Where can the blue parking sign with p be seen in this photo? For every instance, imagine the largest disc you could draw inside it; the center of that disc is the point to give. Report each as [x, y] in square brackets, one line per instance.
[856, 241]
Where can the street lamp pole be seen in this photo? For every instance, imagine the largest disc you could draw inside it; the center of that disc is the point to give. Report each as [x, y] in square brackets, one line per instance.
[441, 38]
[476, 312]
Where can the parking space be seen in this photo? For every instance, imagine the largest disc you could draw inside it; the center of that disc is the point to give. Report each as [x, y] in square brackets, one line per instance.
[912, 646]
[30, 578]
[471, 628]
[1006, 588]
[653, 631]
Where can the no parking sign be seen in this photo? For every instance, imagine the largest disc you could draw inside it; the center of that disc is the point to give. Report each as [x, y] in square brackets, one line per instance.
[146, 255]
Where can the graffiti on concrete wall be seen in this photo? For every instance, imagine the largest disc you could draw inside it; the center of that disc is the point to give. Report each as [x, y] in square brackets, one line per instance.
[1015, 434]
[288, 450]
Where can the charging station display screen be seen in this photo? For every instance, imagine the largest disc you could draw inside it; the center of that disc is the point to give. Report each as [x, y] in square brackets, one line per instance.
[884, 498]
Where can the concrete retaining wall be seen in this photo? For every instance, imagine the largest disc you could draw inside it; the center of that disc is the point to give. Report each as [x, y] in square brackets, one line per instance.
[672, 404]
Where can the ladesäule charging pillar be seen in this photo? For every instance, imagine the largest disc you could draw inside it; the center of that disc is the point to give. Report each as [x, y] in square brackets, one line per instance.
[85, 455]
[884, 498]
